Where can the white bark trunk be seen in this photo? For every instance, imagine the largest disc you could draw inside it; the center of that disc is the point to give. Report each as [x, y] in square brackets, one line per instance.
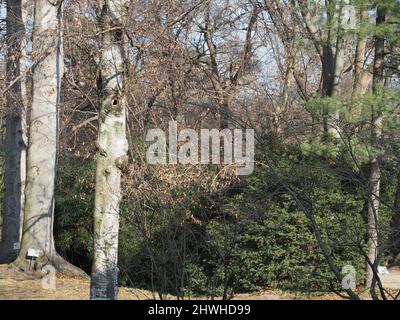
[112, 149]
[15, 140]
[42, 150]
[373, 210]
[375, 171]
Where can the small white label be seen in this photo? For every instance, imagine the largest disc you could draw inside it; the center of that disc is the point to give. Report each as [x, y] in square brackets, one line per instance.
[17, 246]
[33, 252]
[383, 270]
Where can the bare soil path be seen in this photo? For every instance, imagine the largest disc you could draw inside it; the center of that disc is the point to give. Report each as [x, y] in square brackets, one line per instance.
[17, 285]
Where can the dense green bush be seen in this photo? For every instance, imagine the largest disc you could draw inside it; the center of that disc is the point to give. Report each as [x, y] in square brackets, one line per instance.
[1, 188]
[243, 238]
[74, 212]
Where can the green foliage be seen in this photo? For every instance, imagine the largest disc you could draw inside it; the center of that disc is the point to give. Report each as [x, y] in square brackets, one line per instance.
[276, 231]
[74, 212]
[241, 239]
[1, 188]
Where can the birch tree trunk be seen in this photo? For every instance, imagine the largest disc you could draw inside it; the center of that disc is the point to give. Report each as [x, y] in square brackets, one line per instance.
[15, 140]
[375, 170]
[112, 149]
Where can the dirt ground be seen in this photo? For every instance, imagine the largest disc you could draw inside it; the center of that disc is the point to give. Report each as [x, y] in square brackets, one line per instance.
[391, 280]
[17, 285]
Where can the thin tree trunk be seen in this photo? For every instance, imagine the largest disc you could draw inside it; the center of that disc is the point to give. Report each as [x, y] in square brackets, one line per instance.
[360, 75]
[373, 208]
[333, 122]
[15, 140]
[334, 74]
[112, 148]
[375, 171]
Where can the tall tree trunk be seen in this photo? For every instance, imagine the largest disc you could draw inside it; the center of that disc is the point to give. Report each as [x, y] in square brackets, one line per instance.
[43, 135]
[334, 65]
[286, 87]
[360, 75]
[337, 76]
[15, 140]
[375, 170]
[112, 148]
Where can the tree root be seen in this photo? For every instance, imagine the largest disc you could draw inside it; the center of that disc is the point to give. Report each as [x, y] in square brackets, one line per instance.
[59, 263]
[64, 266]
